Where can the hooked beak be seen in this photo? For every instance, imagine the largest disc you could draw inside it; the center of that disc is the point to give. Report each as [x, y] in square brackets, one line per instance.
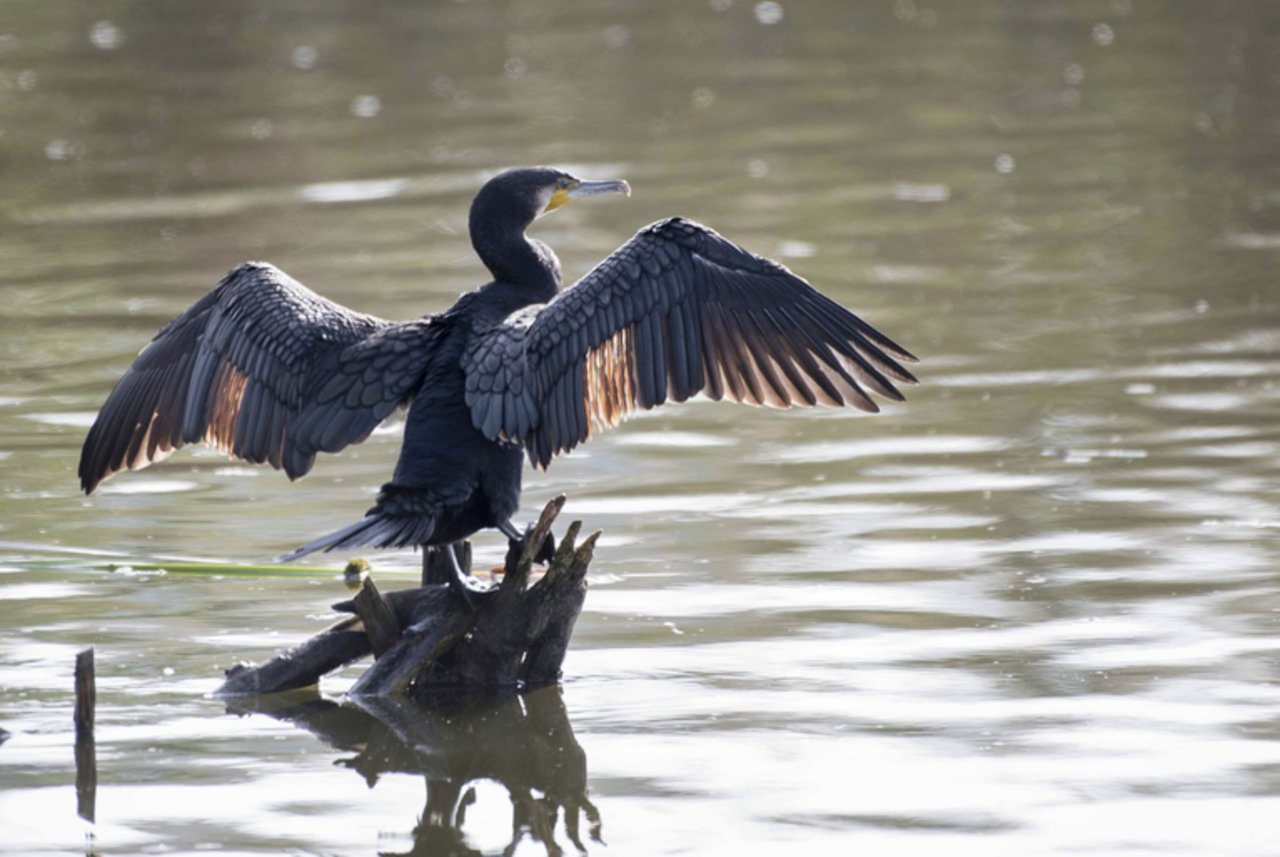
[592, 188]
[583, 189]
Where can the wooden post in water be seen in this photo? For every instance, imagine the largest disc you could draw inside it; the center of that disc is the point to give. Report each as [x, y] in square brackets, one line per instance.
[86, 749]
[514, 634]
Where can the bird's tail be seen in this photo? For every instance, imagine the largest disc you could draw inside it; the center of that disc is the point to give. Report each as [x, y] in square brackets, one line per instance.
[378, 529]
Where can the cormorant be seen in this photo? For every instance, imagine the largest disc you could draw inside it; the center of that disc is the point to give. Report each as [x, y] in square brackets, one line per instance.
[269, 371]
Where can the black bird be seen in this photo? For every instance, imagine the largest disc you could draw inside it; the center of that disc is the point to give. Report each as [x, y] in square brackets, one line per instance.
[269, 371]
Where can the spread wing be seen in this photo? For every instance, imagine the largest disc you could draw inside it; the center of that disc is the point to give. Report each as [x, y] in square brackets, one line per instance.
[263, 368]
[677, 310]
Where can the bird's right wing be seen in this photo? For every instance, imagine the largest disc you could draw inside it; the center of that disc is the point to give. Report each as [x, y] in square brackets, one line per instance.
[677, 310]
[263, 368]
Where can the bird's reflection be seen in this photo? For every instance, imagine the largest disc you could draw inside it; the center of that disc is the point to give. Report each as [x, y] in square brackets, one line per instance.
[522, 741]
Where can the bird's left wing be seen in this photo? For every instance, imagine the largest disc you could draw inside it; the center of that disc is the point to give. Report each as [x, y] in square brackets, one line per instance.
[263, 368]
[675, 311]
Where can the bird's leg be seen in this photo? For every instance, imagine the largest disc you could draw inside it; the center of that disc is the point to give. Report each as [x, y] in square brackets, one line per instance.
[545, 553]
[461, 582]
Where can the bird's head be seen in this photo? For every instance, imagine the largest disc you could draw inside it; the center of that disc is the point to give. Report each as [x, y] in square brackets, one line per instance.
[525, 194]
[503, 210]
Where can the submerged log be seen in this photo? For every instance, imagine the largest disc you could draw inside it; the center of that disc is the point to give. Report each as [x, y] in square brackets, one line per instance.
[303, 665]
[514, 634]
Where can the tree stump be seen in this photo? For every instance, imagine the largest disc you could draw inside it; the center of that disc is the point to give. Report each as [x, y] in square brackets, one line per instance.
[513, 635]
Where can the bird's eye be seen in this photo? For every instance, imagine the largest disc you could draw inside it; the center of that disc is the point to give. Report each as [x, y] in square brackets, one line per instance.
[562, 183]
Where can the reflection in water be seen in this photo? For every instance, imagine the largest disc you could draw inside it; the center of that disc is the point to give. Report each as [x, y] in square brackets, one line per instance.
[524, 742]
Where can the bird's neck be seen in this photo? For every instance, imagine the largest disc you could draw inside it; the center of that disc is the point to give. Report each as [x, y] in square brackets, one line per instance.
[513, 258]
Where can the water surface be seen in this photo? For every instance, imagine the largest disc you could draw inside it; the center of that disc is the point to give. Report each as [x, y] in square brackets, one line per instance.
[1032, 611]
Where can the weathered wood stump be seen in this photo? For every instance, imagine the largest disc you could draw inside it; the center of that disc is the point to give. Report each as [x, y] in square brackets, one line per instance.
[514, 634]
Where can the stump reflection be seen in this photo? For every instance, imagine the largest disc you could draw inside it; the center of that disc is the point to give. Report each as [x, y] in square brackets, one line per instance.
[523, 741]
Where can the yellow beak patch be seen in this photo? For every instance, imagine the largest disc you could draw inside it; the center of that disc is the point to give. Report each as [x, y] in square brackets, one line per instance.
[559, 198]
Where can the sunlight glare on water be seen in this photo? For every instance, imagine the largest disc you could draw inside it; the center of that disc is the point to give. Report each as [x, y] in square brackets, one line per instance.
[1033, 610]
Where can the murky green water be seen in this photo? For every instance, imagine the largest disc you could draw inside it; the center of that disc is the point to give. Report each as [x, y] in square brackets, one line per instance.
[1032, 611]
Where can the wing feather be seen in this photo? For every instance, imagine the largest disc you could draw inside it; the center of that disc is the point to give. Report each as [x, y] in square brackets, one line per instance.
[784, 354]
[775, 390]
[677, 310]
[260, 367]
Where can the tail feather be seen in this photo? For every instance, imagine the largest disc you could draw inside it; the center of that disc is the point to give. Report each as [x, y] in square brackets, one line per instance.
[377, 530]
